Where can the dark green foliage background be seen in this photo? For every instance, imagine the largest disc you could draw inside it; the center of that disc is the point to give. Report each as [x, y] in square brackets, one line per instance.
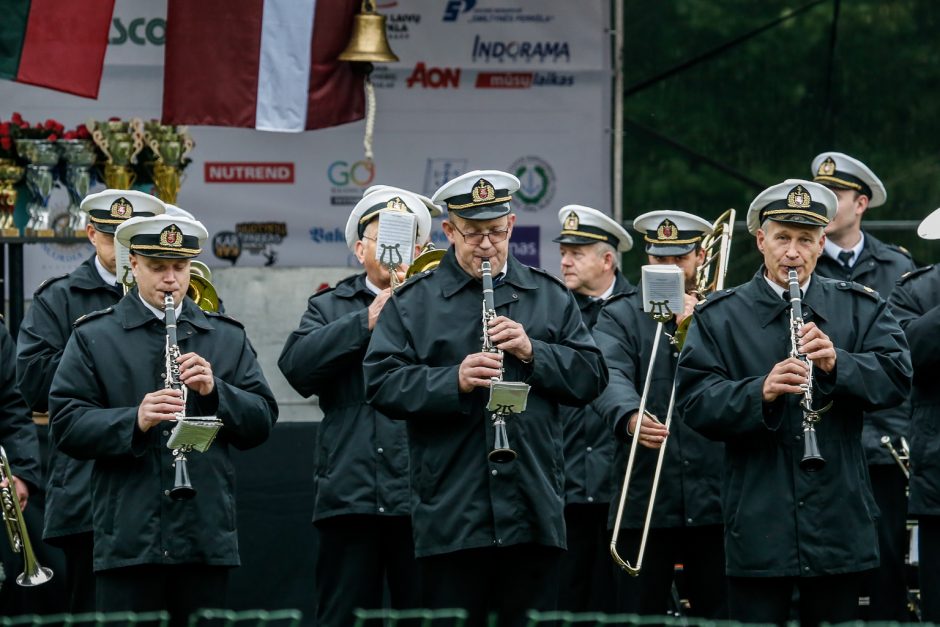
[756, 113]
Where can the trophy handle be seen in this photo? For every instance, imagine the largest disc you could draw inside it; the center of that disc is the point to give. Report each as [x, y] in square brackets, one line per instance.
[155, 147]
[101, 142]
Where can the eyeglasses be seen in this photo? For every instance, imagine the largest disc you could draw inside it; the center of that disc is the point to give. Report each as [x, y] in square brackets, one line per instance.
[475, 239]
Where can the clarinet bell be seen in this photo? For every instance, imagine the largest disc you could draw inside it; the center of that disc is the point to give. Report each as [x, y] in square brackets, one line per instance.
[182, 487]
[501, 452]
[812, 461]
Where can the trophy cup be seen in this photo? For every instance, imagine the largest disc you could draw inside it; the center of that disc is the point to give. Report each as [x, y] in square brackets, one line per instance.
[42, 156]
[79, 156]
[120, 142]
[170, 145]
[10, 175]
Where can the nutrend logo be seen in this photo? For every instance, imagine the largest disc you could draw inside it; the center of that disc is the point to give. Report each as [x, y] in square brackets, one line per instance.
[244, 172]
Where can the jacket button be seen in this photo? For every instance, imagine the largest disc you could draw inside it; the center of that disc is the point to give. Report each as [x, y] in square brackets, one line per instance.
[514, 295]
[797, 437]
[688, 520]
[589, 449]
[675, 354]
[166, 554]
[685, 462]
[495, 472]
[801, 503]
[590, 499]
[166, 493]
[165, 432]
[806, 569]
[381, 510]
[499, 540]
[380, 450]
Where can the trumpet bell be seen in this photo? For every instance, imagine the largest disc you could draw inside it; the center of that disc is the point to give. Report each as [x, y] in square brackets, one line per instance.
[428, 260]
[368, 42]
[203, 293]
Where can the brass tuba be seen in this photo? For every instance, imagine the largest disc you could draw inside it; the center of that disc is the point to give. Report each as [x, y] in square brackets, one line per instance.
[33, 574]
[201, 289]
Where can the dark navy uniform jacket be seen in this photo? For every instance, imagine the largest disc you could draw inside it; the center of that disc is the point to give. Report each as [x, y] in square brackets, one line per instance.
[916, 304]
[46, 328]
[878, 266]
[362, 456]
[782, 521]
[460, 500]
[17, 431]
[688, 493]
[589, 445]
[113, 359]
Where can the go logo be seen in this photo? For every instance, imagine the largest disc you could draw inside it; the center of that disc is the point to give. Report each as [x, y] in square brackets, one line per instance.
[360, 173]
[140, 31]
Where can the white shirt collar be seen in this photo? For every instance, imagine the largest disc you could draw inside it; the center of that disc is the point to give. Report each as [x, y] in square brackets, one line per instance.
[782, 291]
[832, 249]
[609, 291]
[372, 287]
[107, 277]
[159, 312]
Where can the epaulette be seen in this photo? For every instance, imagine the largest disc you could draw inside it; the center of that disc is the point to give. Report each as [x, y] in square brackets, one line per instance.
[226, 317]
[713, 297]
[49, 282]
[414, 278]
[900, 249]
[858, 287]
[93, 314]
[549, 275]
[907, 276]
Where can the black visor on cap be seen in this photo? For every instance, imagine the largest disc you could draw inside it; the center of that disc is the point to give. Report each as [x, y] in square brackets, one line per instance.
[586, 234]
[844, 180]
[170, 243]
[670, 250]
[487, 212]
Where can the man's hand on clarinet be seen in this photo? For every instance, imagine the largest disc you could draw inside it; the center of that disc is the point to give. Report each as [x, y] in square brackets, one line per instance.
[196, 374]
[510, 337]
[159, 406]
[477, 369]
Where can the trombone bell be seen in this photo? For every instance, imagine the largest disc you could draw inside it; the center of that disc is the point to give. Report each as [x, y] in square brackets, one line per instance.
[203, 293]
[368, 42]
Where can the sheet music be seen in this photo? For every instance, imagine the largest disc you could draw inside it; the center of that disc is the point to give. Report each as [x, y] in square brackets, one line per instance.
[395, 243]
[663, 286]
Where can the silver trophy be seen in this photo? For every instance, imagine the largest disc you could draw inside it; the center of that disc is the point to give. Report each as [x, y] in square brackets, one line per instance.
[42, 156]
[79, 156]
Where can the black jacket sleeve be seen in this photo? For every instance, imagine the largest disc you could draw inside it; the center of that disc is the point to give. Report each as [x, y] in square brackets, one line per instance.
[18, 433]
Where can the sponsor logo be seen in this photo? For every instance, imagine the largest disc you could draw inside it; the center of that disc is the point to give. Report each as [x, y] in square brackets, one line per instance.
[440, 170]
[454, 9]
[522, 80]
[398, 25]
[348, 180]
[139, 31]
[537, 180]
[259, 238]
[434, 77]
[227, 245]
[238, 172]
[520, 51]
[524, 245]
[327, 235]
[383, 78]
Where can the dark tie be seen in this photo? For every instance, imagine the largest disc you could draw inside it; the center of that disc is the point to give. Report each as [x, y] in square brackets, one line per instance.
[844, 256]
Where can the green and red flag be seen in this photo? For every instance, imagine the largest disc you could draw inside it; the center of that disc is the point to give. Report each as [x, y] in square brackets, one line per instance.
[58, 44]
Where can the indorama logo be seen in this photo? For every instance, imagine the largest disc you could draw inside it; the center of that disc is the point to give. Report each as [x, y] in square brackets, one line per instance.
[520, 51]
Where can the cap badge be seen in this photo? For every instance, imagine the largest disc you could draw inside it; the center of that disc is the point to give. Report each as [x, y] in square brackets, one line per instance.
[799, 198]
[483, 191]
[827, 167]
[572, 222]
[122, 208]
[667, 231]
[171, 237]
[396, 204]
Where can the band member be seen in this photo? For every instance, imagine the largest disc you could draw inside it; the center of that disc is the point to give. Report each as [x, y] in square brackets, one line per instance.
[46, 328]
[488, 535]
[686, 524]
[787, 526]
[362, 507]
[590, 244]
[111, 401]
[915, 302]
[851, 254]
[19, 440]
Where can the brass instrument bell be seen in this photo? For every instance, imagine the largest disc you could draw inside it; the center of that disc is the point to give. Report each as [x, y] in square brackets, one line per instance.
[429, 259]
[201, 289]
[368, 42]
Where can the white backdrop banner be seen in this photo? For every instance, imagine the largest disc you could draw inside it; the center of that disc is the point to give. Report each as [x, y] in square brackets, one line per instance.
[516, 85]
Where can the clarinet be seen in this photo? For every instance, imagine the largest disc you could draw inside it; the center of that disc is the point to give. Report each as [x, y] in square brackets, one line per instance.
[812, 460]
[182, 487]
[501, 452]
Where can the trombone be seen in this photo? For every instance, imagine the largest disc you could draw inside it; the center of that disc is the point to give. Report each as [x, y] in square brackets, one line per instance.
[33, 573]
[717, 247]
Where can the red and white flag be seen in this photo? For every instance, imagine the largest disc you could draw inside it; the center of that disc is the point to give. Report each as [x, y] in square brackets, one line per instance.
[264, 64]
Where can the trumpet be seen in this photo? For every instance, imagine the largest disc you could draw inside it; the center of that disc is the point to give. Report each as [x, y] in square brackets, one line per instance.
[33, 573]
[812, 461]
[902, 457]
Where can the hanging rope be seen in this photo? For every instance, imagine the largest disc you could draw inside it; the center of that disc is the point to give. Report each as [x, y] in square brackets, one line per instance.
[370, 118]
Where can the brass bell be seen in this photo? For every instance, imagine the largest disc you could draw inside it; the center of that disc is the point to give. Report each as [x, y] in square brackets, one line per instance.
[368, 42]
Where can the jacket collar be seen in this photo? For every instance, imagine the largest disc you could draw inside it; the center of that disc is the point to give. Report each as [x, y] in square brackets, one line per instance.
[769, 305]
[86, 277]
[453, 278]
[874, 247]
[134, 314]
[352, 287]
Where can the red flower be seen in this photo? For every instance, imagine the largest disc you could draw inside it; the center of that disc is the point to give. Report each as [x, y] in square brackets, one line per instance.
[53, 137]
[17, 118]
[6, 143]
[4, 128]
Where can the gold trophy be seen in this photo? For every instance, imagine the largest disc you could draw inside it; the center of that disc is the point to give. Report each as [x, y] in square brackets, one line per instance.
[79, 156]
[121, 142]
[10, 175]
[42, 156]
[170, 146]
